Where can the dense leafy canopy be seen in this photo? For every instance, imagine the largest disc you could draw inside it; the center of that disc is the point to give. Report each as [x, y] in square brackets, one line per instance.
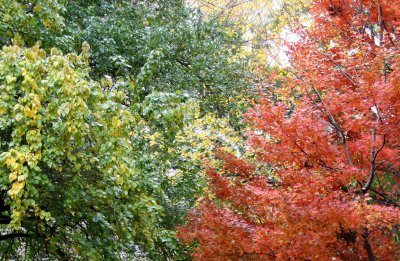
[66, 147]
[111, 110]
[95, 161]
[162, 45]
[330, 135]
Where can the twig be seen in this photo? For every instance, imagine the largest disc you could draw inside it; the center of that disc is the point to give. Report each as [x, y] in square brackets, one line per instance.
[340, 67]
[336, 126]
[389, 201]
[374, 154]
[380, 23]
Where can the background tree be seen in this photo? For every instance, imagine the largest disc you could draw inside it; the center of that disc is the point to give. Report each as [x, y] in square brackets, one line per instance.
[334, 150]
[265, 25]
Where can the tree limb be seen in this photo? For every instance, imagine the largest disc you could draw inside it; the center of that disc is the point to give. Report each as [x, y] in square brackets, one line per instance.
[367, 245]
[336, 126]
[374, 154]
[389, 201]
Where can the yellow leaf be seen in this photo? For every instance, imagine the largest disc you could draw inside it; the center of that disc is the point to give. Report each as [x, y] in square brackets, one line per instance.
[16, 187]
[13, 176]
[22, 177]
[85, 47]
[10, 161]
[30, 112]
[47, 23]
[37, 8]
[116, 123]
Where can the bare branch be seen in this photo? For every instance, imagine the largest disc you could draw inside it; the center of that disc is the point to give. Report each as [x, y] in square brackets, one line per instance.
[340, 67]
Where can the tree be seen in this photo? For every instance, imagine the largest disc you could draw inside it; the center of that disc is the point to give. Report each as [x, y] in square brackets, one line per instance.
[329, 134]
[264, 24]
[162, 45]
[32, 20]
[159, 63]
[66, 147]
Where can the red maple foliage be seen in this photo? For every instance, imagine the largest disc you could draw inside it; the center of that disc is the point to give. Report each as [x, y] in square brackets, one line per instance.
[334, 150]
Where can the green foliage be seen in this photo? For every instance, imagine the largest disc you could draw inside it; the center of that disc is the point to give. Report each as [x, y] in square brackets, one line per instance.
[163, 45]
[66, 161]
[173, 182]
[33, 21]
[94, 162]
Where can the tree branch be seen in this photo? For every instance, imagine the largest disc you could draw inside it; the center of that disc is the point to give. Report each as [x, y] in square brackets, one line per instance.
[389, 201]
[374, 154]
[367, 245]
[336, 126]
[380, 22]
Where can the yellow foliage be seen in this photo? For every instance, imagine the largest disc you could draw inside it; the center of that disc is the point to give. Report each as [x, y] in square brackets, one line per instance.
[261, 22]
[13, 176]
[3, 110]
[16, 187]
[205, 135]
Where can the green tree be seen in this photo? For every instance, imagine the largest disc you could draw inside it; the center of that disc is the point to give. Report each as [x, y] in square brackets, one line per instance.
[162, 45]
[32, 20]
[154, 68]
[70, 188]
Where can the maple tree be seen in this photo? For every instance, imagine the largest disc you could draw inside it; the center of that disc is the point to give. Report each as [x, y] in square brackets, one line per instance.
[329, 136]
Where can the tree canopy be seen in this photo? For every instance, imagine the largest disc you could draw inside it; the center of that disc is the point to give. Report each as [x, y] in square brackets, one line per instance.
[96, 97]
[328, 130]
[168, 130]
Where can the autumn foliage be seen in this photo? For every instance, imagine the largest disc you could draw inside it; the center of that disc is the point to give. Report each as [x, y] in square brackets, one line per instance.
[330, 136]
